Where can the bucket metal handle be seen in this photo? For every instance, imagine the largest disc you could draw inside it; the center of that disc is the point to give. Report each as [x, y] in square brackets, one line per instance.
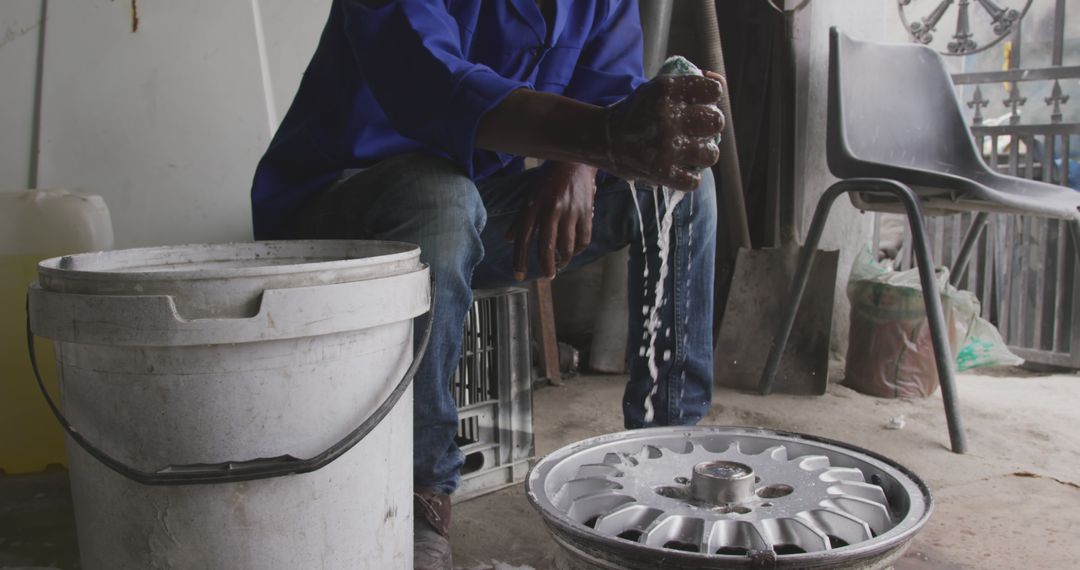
[237, 471]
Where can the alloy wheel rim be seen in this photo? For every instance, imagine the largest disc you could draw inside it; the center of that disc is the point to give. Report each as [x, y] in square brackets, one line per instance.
[721, 496]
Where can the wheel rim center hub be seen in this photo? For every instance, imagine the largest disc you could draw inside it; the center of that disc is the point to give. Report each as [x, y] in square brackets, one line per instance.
[722, 482]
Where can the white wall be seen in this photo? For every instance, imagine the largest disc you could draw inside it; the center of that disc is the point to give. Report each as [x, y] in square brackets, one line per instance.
[166, 122]
[20, 26]
[847, 230]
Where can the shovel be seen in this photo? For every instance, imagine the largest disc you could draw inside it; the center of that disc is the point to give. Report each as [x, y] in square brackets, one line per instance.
[761, 279]
[759, 287]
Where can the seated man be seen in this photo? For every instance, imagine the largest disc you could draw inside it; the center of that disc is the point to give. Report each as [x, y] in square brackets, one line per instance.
[410, 124]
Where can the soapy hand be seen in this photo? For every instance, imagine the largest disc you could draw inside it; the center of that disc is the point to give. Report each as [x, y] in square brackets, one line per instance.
[559, 214]
[665, 131]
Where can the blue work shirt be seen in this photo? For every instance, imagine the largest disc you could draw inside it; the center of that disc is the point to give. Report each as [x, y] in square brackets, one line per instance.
[418, 76]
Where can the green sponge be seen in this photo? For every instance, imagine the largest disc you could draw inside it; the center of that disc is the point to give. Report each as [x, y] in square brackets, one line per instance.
[678, 65]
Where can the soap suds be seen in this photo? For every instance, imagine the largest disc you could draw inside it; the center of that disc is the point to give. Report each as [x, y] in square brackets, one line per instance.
[652, 323]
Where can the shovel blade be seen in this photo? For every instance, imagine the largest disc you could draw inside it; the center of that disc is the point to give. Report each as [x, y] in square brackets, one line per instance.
[760, 287]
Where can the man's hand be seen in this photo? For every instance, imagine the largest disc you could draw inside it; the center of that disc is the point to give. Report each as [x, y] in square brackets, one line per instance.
[559, 214]
[665, 131]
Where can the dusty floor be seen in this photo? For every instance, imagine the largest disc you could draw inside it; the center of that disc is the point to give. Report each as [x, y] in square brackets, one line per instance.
[1012, 502]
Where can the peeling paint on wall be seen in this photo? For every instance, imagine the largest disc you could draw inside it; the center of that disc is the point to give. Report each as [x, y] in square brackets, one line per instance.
[11, 34]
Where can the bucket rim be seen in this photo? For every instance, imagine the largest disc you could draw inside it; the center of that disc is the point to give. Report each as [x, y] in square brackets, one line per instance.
[65, 267]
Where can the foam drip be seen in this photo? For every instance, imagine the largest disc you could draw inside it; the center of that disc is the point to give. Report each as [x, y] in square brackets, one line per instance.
[652, 323]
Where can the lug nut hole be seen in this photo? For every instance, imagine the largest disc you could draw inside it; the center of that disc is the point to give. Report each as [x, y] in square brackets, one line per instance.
[678, 493]
[775, 491]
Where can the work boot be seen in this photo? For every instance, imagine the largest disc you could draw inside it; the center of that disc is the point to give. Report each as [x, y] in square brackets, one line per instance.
[431, 528]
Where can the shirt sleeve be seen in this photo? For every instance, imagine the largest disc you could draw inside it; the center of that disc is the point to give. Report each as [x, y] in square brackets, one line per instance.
[410, 53]
[610, 66]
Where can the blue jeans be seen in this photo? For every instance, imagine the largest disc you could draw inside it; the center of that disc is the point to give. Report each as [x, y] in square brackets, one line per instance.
[460, 228]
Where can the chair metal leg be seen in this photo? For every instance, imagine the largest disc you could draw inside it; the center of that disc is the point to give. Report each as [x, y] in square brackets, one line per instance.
[970, 239]
[931, 296]
[1074, 227]
[935, 317]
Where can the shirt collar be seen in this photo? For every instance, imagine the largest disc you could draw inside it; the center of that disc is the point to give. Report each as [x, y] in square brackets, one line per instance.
[530, 12]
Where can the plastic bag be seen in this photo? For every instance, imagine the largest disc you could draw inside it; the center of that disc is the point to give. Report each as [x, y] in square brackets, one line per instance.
[982, 345]
[891, 354]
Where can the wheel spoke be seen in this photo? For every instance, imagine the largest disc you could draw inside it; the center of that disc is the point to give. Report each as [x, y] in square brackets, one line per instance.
[627, 517]
[866, 491]
[813, 462]
[734, 538]
[838, 526]
[603, 470]
[676, 532]
[589, 507]
[842, 474]
[875, 514]
[574, 489]
[786, 535]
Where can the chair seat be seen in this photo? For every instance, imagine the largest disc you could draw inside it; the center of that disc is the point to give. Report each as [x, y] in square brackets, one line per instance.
[978, 190]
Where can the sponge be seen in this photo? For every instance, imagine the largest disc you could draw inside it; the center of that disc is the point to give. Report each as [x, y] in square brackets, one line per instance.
[679, 65]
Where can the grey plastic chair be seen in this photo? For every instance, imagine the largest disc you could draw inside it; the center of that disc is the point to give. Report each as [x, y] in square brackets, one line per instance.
[898, 141]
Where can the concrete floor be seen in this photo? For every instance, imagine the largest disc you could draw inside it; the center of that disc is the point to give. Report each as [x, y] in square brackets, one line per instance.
[1012, 502]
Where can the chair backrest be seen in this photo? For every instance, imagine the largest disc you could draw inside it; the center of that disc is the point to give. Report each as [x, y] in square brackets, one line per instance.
[894, 105]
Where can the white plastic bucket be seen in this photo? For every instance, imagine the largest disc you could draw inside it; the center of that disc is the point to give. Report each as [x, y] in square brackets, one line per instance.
[181, 366]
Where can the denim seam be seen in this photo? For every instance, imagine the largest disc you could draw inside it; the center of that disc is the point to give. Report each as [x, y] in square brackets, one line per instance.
[678, 327]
